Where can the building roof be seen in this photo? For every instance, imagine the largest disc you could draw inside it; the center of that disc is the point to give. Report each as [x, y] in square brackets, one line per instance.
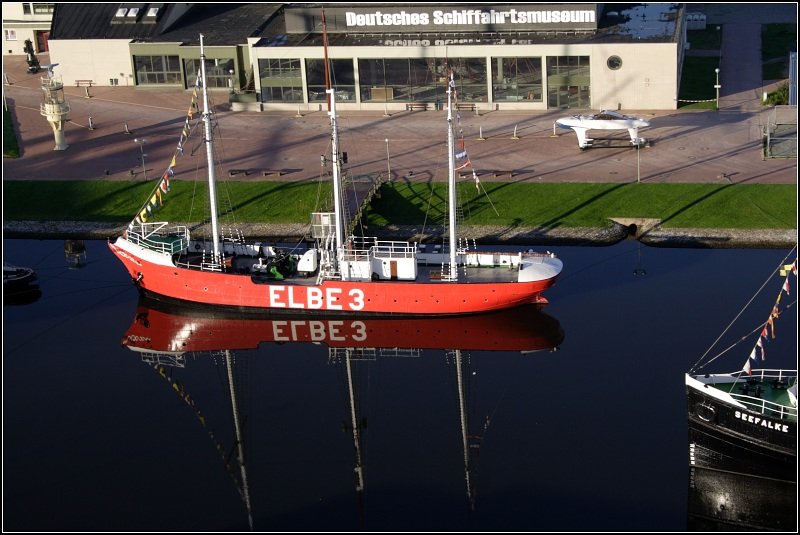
[225, 24]
[619, 23]
[221, 24]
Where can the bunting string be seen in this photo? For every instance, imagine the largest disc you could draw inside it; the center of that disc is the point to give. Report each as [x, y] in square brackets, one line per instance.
[462, 160]
[156, 199]
[758, 354]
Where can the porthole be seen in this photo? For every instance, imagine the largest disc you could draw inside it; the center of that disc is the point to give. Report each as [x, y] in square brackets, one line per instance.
[614, 62]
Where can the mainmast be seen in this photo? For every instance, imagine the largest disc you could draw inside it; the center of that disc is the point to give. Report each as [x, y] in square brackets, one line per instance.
[212, 179]
[462, 410]
[451, 180]
[245, 490]
[331, 95]
[337, 197]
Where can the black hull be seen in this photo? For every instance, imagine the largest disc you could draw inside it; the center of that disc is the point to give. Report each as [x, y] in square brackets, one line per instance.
[724, 437]
[724, 501]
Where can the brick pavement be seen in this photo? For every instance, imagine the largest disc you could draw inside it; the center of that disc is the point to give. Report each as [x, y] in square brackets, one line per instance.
[686, 146]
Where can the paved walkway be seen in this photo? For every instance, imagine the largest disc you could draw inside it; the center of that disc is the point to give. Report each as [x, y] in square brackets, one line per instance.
[686, 146]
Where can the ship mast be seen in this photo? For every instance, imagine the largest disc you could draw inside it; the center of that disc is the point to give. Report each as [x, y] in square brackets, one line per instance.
[451, 180]
[245, 490]
[331, 95]
[462, 410]
[212, 189]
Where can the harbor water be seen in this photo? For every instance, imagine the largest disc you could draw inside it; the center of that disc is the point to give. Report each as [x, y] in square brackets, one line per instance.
[590, 435]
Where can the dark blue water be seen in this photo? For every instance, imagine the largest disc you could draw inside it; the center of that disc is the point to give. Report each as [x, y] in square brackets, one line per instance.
[591, 437]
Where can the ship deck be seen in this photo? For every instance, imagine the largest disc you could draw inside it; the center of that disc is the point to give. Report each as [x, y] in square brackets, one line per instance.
[426, 273]
[764, 395]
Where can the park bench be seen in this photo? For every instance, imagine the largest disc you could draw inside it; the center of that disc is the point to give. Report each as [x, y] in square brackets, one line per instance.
[411, 106]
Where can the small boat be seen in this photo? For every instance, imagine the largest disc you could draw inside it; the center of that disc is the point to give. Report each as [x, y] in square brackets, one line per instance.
[363, 275]
[18, 280]
[745, 421]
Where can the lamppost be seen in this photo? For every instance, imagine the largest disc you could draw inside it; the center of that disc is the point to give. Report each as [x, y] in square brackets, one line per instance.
[388, 165]
[717, 86]
[231, 71]
[141, 142]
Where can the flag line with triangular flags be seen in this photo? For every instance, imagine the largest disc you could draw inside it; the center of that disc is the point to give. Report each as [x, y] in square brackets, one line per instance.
[156, 199]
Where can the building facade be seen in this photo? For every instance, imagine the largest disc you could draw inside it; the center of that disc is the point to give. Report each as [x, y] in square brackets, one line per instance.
[384, 56]
[517, 56]
[26, 21]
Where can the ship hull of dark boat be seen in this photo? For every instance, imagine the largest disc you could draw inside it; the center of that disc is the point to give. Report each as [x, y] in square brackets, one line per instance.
[726, 437]
[723, 501]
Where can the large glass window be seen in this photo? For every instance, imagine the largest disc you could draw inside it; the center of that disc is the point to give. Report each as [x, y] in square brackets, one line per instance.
[43, 9]
[420, 80]
[281, 80]
[517, 79]
[470, 78]
[219, 72]
[568, 82]
[343, 79]
[157, 70]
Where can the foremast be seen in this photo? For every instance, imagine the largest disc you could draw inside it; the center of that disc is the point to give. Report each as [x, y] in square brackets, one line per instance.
[208, 140]
[331, 252]
[337, 197]
[451, 181]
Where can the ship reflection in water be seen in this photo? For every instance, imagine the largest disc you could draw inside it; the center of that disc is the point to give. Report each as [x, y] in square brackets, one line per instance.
[169, 336]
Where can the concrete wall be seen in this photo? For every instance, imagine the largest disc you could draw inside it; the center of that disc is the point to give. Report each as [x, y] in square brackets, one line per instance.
[99, 61]
[25, 26]
[647, 79]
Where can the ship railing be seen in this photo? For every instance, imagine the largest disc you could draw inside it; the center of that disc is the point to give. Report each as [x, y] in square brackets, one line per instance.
[541, 257]
[767, 408]
[164, 359]
[355, 255]
[393, 249]
[766, 373]
[158, 237]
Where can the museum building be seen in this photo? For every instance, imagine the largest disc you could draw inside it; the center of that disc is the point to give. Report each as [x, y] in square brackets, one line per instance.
[388, 56]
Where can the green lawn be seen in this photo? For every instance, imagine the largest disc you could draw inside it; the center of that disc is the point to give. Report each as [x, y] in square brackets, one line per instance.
[82, 200]
[777, 40]
[755, 206]
[697, 83]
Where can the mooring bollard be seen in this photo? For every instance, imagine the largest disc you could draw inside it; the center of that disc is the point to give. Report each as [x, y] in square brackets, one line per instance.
[480, 134]
[515, 133]
[91, 125]
[126, 128]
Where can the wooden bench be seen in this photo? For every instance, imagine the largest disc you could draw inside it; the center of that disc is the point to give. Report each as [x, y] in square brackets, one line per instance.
[508, 174]
[464, 106]
[270, 172]
[411, 106]
[234, 172]
[79, 83]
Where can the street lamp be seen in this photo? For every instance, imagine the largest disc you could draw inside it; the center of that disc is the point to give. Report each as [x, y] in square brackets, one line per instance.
[231, 71]
[388, 165]
[141, 142]
[717, 86]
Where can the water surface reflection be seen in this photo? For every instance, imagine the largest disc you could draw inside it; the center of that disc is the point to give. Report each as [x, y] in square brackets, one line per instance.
[170, 336]
[336, 437]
